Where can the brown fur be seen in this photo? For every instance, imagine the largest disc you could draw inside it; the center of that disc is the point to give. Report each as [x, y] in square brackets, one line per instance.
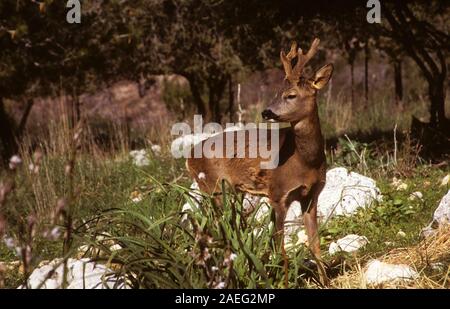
[300, 174]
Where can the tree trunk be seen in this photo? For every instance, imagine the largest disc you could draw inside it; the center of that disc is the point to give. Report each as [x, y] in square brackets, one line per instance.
[215, 87]
[77, 108]
[352, 82]
[231, 99]
[366, 72]
[216, 90]
[437, 108]
[398, 81]
[196, 95]
[23, 120]
[214, 104]
[9, 146]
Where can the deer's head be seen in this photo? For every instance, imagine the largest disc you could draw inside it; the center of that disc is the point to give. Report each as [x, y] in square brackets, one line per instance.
[297, 99]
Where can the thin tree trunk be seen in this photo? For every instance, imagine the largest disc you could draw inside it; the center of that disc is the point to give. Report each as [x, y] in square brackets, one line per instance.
[366, 73]
[231, 99]
[398, 79]
[352, 81]
[216, 90]
[76, 112]
[9, 145]
[437, 107]
[23, 120]
[196, 95]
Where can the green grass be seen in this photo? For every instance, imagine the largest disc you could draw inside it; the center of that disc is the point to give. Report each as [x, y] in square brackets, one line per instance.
[160, 251]
[382, 222]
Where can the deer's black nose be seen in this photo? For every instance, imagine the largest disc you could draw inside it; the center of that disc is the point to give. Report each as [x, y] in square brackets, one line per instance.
[268, 114]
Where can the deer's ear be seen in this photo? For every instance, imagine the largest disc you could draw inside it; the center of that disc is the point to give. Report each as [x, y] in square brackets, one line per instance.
[322, 76]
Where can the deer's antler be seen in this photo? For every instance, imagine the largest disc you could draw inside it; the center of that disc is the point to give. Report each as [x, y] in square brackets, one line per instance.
[293, 74]
[286, 60]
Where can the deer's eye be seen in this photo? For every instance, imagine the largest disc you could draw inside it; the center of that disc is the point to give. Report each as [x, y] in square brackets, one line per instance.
[291, 96]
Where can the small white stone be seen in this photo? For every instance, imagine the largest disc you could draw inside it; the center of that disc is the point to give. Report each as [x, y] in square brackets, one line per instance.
[349, 243]
[302, 238]
[10, 243]
[137, 198]
[156, 149]
[201, 175]
[263, 210]
[401, 234]
[379, 272]
[415, 195]
[445, 181]
[115, 247]
[399, 185]
[139, 157]
[402, 187]
[438, 266]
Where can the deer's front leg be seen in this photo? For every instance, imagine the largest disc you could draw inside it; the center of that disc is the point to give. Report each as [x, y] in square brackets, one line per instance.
[280, 214]
[310, 221]
[309, 210]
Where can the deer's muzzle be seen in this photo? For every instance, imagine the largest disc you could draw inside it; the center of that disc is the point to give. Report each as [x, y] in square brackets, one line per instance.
[268, 115]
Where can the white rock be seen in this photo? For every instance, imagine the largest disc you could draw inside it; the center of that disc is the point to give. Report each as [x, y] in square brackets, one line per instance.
[415, 195]
[441, 216]
[294, 214]
[401, 234]
[442, 213]
[263, 210]
[115, 247]
[136, 197]
[156, 149]
[139, 157]
[81, 274]
[398, 184]
[250, 202]
[349, 243]
[302, 239]
[379, 272]
[258, 231]
[402, 187]
[293, 225]
[445, 181]
[438, 266]
[345, 192]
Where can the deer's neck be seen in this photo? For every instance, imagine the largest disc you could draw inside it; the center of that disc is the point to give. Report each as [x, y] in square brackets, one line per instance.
[308, 138]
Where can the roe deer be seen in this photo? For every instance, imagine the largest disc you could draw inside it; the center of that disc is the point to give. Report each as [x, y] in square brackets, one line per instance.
[301, 169]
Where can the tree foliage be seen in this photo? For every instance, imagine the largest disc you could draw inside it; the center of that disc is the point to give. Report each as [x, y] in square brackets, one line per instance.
[209, 42]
